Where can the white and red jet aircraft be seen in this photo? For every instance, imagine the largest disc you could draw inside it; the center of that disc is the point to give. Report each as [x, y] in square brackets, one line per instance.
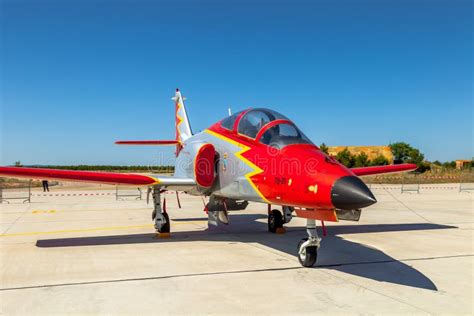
[255, 155]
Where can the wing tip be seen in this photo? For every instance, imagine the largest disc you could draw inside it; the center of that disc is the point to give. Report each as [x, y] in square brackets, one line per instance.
[409, 166]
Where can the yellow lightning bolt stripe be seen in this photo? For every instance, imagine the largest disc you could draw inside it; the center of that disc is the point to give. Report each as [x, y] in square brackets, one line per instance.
[244, 148]
[180, 119]
[157, 181]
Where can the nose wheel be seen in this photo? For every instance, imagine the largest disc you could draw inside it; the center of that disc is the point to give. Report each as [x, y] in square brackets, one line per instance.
[308, 247]
[307, 255]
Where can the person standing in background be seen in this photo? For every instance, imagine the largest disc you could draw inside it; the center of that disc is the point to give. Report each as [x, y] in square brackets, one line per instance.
[45, 186]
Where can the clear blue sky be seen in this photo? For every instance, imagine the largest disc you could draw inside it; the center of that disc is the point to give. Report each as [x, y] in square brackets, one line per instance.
[78, 75]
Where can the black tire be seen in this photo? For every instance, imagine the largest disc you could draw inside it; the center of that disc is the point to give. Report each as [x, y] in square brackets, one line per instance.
[275, 221]
[309, 259]
[166, 227]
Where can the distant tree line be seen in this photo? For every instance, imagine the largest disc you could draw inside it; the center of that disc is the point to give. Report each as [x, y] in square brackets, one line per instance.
[402, 153]
[452, 164]
[361, 160]
[108, 168]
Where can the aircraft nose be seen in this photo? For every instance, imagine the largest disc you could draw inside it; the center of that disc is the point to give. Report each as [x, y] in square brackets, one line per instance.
[350, 193]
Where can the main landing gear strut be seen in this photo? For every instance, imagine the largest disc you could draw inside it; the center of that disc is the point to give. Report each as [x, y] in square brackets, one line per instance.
[161, 218]
[276, 219]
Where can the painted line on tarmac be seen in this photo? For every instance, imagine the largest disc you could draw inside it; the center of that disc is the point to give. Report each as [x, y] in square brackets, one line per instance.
[76, 230]
[43, 211]
[150, 278]
[94, 229]
[224, 273]
[393, 260]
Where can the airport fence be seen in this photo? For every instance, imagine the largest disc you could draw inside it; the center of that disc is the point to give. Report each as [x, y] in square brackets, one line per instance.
[410, 183]
[460, 180]
[122, 193]
[22, 193]
[465, 183]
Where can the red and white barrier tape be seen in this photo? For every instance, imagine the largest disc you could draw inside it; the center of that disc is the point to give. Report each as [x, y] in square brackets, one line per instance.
[85, 194]
[71, 194]
[421, 187]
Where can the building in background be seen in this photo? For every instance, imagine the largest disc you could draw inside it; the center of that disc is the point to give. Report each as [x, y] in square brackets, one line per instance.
[371, 151]
[462, 163]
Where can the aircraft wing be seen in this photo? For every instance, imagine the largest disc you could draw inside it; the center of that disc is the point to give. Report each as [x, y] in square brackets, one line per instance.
[113, 178]
[366, 171]
[147, 142]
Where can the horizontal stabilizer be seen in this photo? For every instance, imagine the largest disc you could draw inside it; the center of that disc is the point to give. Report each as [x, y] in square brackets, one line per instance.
[366, 171]
[147, 142]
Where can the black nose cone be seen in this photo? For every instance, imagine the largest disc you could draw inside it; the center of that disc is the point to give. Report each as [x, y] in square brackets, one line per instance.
[350, 193]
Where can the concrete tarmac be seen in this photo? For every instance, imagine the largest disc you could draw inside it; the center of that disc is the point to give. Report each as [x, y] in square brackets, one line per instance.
[80, 251]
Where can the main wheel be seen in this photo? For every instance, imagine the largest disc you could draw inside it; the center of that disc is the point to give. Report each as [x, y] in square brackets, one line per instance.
[166, 227]
[307, 257]
[275, 221]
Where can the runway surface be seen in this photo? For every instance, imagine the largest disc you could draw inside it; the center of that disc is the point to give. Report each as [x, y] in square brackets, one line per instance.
[91, 254]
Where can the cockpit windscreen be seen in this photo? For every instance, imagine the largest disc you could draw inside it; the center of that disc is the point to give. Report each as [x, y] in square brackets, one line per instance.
[251, 123]
[284, 134]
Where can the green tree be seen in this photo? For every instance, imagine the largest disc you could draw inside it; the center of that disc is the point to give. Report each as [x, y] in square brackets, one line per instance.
[361, 160]
[404, 153]
[449, 164]
[380, 160]
[423, 166]
[346, 158]
[17, 163]
[324, 148]
[469, 165]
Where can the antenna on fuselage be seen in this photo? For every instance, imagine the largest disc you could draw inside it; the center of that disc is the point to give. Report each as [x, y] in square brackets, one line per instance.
[230, 111]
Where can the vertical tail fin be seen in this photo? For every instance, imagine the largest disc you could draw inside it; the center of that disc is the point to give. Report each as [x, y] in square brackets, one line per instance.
[183, 128]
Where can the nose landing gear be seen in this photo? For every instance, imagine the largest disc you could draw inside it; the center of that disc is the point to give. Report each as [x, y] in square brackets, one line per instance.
[308, 247]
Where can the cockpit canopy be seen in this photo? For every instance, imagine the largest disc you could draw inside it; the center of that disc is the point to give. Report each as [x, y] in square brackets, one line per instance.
[279, 134]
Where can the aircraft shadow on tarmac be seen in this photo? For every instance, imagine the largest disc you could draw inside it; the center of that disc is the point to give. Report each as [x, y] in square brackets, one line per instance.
[336, 252]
